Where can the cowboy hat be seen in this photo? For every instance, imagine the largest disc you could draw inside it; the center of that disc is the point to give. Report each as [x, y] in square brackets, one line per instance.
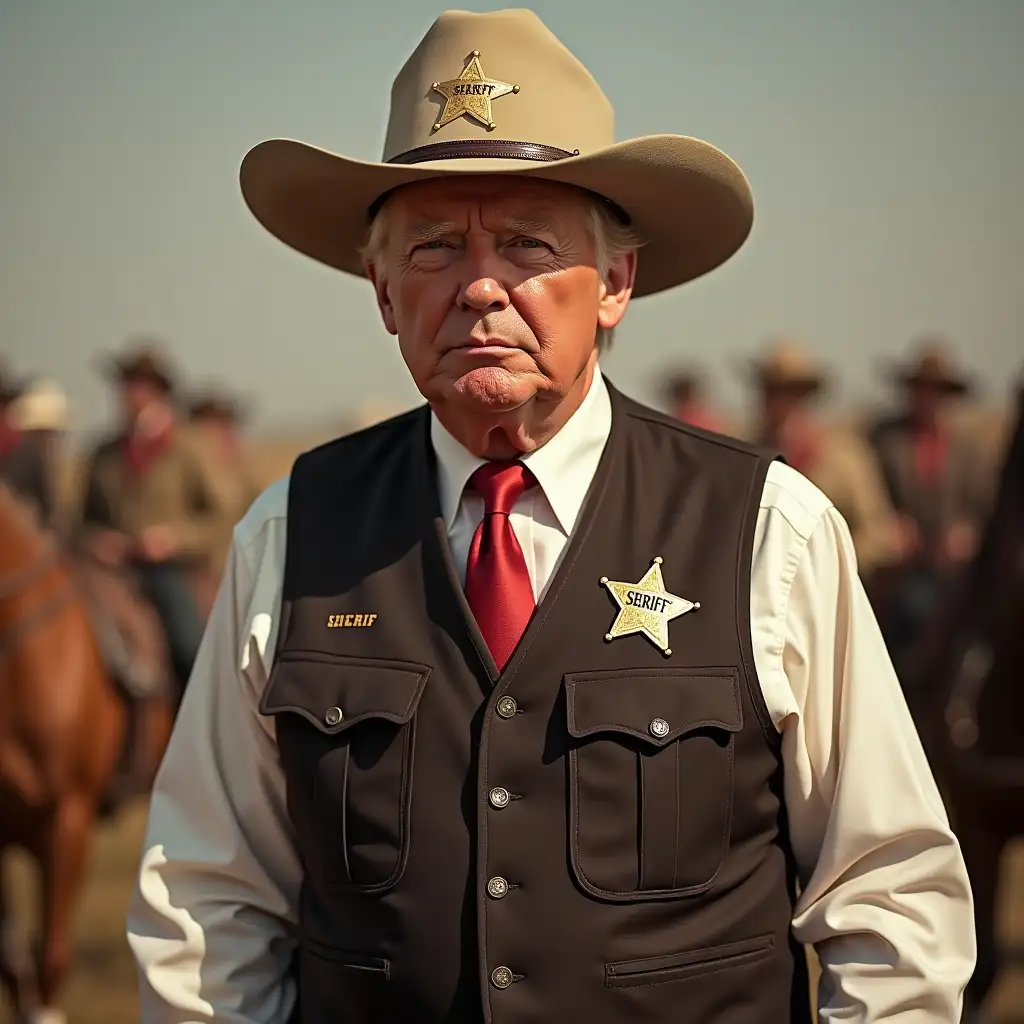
[10, 387]
[143, 360]
[212, 403]
[41, 406]
[786, 364]
[932, 365]
[498, 93]
[681, 384]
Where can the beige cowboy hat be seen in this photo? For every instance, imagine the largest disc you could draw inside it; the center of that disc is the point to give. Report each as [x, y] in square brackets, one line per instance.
[498, 93]
[42, 405]
[933, 365]
[787, 364]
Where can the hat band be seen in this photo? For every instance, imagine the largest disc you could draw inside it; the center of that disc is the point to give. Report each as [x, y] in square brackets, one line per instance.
[482, 149]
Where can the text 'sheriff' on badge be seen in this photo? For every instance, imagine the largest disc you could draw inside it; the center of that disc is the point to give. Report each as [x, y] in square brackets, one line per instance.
[646, 607]
[471, 94]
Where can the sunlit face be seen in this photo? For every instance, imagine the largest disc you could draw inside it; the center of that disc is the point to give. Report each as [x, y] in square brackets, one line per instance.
[493, 289]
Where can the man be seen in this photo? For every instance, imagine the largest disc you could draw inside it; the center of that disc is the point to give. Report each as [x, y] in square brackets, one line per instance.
[835, 459]
[554, 701]
[937, 479]
[151, 499]
[217, 418]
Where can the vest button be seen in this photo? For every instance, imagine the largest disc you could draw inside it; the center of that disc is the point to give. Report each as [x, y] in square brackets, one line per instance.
[334, 716]
[497, 887]
[507, 707]
[499, 797]
[658, 727]
[501, 977]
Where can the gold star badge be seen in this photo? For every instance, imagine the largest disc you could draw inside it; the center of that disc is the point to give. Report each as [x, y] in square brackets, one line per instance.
[646, 607]
[471, 94]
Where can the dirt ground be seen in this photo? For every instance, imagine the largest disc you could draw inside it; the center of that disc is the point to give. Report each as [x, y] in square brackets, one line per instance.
[102, 987]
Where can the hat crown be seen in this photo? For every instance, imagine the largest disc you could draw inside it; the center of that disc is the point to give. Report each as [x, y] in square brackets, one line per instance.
[787, 357]
[556, 102]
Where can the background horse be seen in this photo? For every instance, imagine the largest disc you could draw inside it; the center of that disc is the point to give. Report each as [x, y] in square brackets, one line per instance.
[61, 729]
[967, 695]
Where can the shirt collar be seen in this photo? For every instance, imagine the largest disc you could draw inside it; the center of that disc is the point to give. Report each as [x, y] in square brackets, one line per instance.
[564, 467]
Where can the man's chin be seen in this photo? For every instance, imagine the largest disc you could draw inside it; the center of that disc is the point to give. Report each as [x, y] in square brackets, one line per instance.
[492, 389]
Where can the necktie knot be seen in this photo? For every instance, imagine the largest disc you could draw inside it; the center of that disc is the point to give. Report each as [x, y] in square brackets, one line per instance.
[501, 484]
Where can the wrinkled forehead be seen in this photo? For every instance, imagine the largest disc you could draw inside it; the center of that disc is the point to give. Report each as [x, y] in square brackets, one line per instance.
[492, 199]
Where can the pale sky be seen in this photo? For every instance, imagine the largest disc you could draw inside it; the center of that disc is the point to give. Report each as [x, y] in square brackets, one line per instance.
[884, 140]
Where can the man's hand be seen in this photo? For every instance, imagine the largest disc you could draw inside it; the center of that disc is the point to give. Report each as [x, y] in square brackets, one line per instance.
[908, 538]
[156, 543]
[959, 543]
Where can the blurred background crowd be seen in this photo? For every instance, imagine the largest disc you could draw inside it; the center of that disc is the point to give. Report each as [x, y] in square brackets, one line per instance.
[888, 200]
[914, 477]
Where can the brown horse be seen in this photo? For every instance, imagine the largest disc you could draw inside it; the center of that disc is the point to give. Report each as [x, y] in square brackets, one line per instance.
[967, 694]
[61, 728]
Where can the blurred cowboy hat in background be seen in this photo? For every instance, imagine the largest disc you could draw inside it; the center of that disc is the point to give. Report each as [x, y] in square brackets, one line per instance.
[212, 402]
[786, 364]
[10, 386]
[142, 359]
[933, 365]
[498, 93]
[42, 405]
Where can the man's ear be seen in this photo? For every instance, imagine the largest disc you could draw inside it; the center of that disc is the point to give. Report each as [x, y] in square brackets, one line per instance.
[616, 290]
[380, 287]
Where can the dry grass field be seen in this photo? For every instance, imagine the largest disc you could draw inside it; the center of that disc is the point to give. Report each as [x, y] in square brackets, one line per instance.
[102, 987]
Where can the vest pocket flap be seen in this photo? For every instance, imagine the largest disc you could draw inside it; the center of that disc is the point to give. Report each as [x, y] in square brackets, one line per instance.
[657, 705]
[336, 692]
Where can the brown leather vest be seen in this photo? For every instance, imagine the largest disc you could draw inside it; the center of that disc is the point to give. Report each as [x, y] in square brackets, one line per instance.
[529, 847]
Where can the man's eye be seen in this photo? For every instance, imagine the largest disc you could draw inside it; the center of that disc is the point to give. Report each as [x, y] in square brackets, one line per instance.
[530, 243]
[436, 244]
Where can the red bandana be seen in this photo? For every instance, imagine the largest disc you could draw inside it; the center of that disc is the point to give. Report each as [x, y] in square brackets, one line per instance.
[140, 452]
[930, 447]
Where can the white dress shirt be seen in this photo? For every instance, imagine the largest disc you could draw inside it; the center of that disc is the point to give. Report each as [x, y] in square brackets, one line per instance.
[884, 896]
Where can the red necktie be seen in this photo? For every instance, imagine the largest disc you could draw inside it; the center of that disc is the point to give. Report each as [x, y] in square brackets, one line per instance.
[498, 585]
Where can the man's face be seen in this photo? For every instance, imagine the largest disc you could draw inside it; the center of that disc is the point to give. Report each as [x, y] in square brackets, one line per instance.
[137, 394]
[779, 403]
[926, 402]
[492, 286]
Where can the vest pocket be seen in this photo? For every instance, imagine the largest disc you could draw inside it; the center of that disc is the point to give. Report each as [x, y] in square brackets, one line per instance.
[346, 731]
[336, 984]
[650, 779]
[657, 970]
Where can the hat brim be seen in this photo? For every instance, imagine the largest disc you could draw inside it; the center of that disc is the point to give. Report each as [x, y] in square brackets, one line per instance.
[766, 377]
[687, 201]
[119, 369]
[950, 385]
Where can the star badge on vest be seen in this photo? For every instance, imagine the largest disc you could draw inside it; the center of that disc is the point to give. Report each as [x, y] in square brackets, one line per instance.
[471, 94]
[646, 607]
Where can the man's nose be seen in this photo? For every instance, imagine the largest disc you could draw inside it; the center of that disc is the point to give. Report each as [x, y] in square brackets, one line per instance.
[482, 290]
[483, 294]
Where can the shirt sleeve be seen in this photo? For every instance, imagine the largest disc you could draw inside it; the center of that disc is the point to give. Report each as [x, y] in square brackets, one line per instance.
[212, 918]
[885, 899]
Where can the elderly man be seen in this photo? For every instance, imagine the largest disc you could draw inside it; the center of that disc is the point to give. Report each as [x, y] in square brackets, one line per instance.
[533, 704]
